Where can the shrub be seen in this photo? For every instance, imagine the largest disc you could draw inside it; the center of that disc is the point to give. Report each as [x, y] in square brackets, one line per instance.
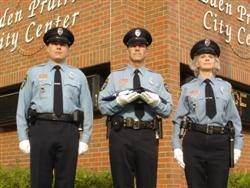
[239, 180]
[17, 177]
[14, 177]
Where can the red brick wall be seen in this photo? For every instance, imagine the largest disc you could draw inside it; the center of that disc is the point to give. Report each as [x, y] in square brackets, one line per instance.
[99, 28]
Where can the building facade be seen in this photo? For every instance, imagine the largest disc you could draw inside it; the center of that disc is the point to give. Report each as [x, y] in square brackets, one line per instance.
[99, 26]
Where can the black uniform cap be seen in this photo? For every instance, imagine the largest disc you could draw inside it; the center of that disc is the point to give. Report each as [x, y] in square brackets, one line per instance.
[137, 36]
[58, 34]
[205, 47]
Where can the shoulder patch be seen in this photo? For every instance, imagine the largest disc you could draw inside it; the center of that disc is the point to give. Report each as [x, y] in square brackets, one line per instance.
[24, 81]
[166, 87]
[104, 85]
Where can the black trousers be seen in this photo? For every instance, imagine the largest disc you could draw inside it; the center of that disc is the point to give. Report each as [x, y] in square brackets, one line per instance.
[133, 154]
[206, 160]
[54, 151]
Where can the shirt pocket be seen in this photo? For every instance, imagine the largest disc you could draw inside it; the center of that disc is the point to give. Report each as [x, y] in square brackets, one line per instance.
[221, 102]
[43, 89]
[71, 89]
[194, 104]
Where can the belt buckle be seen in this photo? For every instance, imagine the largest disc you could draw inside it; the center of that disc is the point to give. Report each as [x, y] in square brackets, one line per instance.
[129, 122]
[54, 117]
[209, 129]
[136, 124]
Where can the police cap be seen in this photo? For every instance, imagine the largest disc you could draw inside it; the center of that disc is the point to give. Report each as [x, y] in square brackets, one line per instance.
[137, 36]
[58, 34]
[205, 46]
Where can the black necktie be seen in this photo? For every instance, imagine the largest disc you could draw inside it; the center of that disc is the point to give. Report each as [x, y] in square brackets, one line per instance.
[139, 108]
[58, 98]
[210, 100]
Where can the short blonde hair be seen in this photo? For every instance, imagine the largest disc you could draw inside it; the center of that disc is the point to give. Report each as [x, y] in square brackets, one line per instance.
[193, 65]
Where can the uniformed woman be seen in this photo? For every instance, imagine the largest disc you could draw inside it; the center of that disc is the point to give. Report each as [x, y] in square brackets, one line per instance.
[206, 107]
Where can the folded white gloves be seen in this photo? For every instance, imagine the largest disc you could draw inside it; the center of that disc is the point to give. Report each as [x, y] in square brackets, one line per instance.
[24, 146]
[150, 98]
[126, 97]
[82, 148]
[237, 154]
[178, 155]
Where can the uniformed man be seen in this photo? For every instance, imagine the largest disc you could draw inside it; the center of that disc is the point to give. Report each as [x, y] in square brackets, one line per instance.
[140, 97]
[205, 108]
[54, 103]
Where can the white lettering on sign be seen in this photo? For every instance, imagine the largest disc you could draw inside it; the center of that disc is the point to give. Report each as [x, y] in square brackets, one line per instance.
[49, 5]
[9, 39]
[9, 18]
[64, 22]
[34, 29]
[243, 15]
[220, 5]
[217, 25]
[214, 22]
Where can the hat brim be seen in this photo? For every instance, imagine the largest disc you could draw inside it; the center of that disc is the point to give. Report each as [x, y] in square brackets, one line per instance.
[205, 51]
[58, 39]
[137, 40]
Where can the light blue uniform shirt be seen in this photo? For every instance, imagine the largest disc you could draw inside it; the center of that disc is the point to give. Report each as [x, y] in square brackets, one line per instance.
[38, 89]
[121, 80]
[193, 104]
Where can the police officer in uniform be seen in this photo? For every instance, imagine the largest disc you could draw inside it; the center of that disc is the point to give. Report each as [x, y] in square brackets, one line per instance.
[206, 105]
[133, 115]
[54, 103]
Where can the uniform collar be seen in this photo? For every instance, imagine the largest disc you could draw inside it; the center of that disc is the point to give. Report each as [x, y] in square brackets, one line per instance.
[51, 65]
[202, 80]
[132, 69]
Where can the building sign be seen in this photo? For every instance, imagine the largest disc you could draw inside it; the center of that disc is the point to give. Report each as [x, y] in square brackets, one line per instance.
[9, 18]
[238, 13]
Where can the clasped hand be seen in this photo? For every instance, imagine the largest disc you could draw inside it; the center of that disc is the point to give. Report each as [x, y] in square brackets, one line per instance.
[128, 96]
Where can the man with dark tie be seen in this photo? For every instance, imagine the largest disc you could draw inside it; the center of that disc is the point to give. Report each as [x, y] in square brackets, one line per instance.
[207, 109]
[133, 116]
[54, 106]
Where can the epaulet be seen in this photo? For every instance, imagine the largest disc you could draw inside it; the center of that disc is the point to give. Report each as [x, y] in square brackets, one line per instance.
[40, 65]
[193, 80]
[219, 79]
[150, 70]
[117, 70]
[37, 66]
[72, 67]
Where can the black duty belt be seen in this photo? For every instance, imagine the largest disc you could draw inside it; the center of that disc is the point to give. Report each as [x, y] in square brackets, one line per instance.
[119, 122]
[208, 128]
[53, 117]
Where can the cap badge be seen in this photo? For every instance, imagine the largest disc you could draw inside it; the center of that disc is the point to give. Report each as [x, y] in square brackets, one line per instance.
[207, 42]
[137, 32]
[60, 31]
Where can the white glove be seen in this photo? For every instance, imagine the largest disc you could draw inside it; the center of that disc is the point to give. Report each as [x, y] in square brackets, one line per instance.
[24, 146]
[237, 154]
[126, 97]
[82, 148]
[150, 98]
[178, 155]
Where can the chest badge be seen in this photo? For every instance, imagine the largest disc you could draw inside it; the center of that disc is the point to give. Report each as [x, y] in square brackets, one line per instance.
[72, 75]
[151, 81]
[222, 89]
